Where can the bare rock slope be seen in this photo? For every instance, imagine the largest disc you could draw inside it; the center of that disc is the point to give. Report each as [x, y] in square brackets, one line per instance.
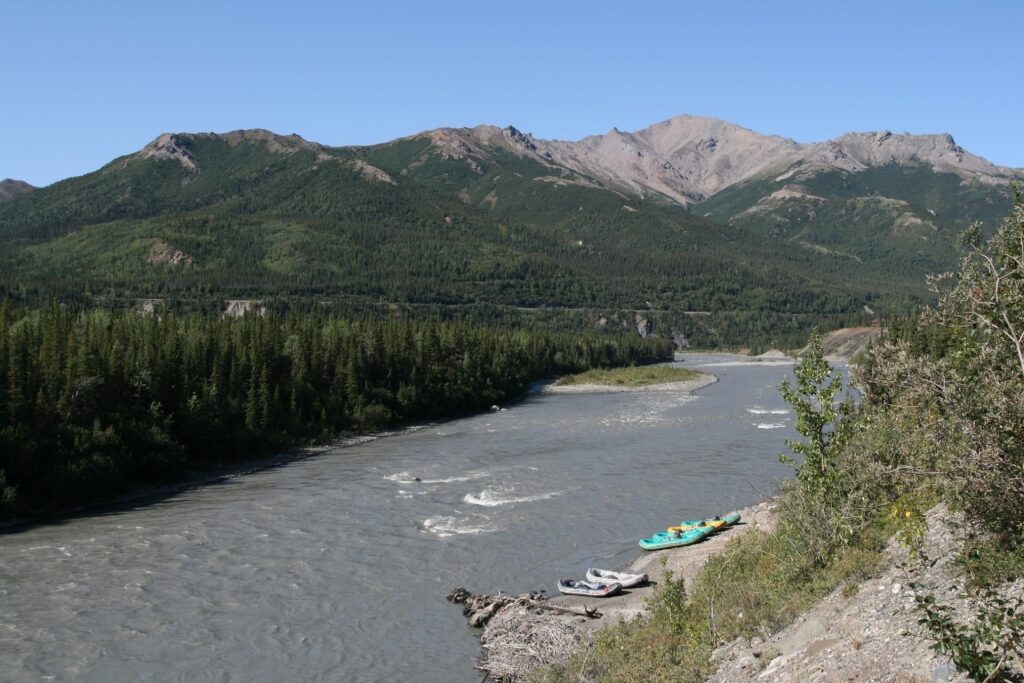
[870, 635]
[687, 159]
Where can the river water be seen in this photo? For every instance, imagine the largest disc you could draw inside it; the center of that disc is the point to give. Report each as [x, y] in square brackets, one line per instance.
[335, 568]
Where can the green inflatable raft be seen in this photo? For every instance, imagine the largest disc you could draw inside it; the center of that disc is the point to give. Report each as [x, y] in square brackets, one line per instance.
[718, 522]
[665, 539]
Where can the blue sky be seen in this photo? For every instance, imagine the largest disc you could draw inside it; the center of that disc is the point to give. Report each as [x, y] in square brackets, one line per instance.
[82, 83]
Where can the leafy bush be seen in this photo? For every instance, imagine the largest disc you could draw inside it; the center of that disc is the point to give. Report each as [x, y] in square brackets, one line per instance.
[981, 645]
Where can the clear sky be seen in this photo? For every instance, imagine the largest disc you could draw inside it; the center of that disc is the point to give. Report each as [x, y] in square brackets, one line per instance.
[84, 82]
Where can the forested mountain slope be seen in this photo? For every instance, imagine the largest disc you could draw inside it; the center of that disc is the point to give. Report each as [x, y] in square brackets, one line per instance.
[492, 224]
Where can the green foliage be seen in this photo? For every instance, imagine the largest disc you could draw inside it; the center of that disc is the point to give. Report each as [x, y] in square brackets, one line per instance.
[987, 562]
[957, 374]
[825, 423]
[965, 388]
[980, 646]
[763, 581]
[895, 222]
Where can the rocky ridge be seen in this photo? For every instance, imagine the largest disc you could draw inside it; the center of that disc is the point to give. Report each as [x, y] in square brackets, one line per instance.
[687, 159]
[167, 146]
[173, 146]
[684, 160]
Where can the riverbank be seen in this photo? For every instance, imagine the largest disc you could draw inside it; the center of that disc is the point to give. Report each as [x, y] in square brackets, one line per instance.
[199, 478]
[867, 628]
[214, 475]
[518, 639]
[683, 563]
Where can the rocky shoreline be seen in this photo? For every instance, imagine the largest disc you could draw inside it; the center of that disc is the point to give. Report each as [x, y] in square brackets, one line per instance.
[860, 632]
[519, 636]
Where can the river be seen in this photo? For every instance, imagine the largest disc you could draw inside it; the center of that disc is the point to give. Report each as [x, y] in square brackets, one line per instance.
[335, 568]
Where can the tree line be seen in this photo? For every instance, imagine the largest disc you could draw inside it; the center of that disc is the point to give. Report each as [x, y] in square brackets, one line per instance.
[93, 403]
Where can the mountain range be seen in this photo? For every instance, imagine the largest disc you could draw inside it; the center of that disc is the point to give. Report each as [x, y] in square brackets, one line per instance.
[688, 159]
[717, 234]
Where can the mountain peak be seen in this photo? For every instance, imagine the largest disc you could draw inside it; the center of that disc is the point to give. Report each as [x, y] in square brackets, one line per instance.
[168, 146]
[520, 139]
[274, 141]
[11, 188]
[685, 158]
[175, 147]
[939, 150]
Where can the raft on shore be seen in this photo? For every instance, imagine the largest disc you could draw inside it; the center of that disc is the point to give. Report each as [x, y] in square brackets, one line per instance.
[523, 633]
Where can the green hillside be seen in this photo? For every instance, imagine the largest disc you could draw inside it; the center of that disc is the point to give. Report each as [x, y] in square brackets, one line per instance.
[484, 233]
[894, 222]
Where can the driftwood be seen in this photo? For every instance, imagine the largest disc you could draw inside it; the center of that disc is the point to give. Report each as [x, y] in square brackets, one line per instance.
[480, 607]
[523, 632]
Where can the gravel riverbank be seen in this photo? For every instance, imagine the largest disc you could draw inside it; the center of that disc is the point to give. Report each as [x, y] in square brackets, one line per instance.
[689, 385]
[864, 632]
[519, 639]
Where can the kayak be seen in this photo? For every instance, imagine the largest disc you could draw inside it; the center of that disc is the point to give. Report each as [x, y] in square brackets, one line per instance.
[713, 524]
[665, 539]
[708, 530]
[717, 523]
[589, 588]
[605, 576]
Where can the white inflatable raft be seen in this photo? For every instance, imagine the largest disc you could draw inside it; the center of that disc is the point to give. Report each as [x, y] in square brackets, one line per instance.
[588, 588]
[606, 576]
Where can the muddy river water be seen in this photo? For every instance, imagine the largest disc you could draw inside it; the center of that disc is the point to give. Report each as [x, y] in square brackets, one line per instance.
[335, 568]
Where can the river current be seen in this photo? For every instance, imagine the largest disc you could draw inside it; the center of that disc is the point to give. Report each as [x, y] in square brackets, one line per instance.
[335, 568]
